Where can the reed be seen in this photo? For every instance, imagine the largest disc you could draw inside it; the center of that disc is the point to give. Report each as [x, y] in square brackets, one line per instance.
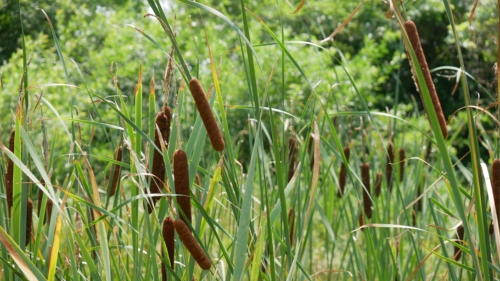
[388, 166]
[402, 161]
[168, 237]
[181, 181]
[9, 176]
[343, 172]
[378, 183]
[29, 220]
[163, 123]
[192, 245]
[365, 178]
[411, 30]
[293, 145]
[291, 223]
[460, 237]
[116, 172]
[206, 114]
[48, 207]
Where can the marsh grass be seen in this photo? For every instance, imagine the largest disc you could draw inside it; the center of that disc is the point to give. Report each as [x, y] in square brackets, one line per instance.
[254, 212]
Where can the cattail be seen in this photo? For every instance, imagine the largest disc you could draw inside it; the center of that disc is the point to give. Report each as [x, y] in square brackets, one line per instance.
[411, 30]
[48, 206]
[495, 186]
[402, 158]
[365, 178]
[361, 220]
[116, 172]
[163, 122]
[418, 204]
[206, 114]
[388, 166]
[309, 148]
[29, 220]
[168, 237]
[343, 172]
[292, 155]
[192, 245]
[378, 183]
[460, 237]
[291, 222]
[9, 176]
[181, 180]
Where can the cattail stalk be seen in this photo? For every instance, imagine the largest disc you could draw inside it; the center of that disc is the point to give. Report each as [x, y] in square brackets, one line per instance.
[291, 223]
[411, 30]
[365, 178]
[292, 156]
[116, 172]
[460, 237]
[162, 121]
[29, 220]
[206, 114]
[192, 245]
[402, 158]
[378, 183]
[343, 172]
[9, 176]
[168, 237]
[388, 166]
[181, 180]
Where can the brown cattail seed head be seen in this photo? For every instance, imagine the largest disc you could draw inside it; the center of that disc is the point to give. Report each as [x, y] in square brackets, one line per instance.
[343, 172]
[291, 223]
[460, 236]
[48, 207]
[192, 245]
[402, 158]
[292, 155]
[388, 166]
[495, 186]
[162, 121]
[9, 176]
[168, 237]
[206, 114]
[29, 220]
[378, 183]
[181, 180]
[365, 178]
[411, 30]
[116, 172]
[418, 204]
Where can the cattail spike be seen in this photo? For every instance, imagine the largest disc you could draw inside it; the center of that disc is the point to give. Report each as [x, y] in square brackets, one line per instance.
[9, 176]
[411, 30]
[29, 220]
[292, 155]
[181, 180]
[378, 183]
[402, 160]
[495, 186]
[365, 178]
[460, 236]
[192, 245]
[206, 114]
[388, 166]
[291, 222]
[343, 172]
[168, 237]
[116, 172]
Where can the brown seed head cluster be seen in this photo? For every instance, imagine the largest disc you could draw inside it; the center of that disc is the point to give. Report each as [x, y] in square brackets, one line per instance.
[293, 145]
[495, 186]
[411, 30]
[206, 114]
[402, 158]
[460, 236]
[116, 172]
[365, 178]
[168, 237]
[343, 172]
[29, 220]
[378, 183]
[388, 166]
[181, 180]
[192, 245]
[291, 223]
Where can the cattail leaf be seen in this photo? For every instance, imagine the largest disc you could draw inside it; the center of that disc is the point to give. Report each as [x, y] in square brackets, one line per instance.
[277, 207]
[23, 262]
[55, 248]
[259, 246]
[211, 195]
